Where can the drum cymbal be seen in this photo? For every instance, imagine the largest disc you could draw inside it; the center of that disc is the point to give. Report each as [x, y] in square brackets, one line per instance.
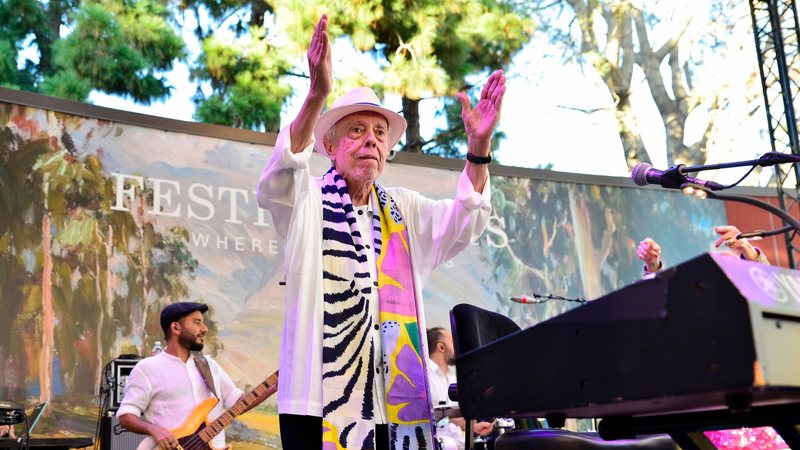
[11, 413]
[7, 405]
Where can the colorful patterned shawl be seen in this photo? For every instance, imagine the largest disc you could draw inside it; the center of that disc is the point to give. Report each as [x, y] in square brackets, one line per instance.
[348, 351]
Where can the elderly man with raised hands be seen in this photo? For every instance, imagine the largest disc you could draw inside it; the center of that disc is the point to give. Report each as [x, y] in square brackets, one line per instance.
[353, 350]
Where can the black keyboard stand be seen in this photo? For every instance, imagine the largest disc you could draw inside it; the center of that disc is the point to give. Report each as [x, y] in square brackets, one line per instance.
[686, 428]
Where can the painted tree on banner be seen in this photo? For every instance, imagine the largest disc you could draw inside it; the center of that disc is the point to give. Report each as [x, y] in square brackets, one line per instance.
[66, 258]
[579, 240]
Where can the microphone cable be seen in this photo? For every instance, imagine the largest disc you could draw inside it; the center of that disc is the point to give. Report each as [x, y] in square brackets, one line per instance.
[752, 168]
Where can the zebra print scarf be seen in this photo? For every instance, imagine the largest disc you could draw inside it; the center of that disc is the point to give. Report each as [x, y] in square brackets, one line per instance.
[348, 351]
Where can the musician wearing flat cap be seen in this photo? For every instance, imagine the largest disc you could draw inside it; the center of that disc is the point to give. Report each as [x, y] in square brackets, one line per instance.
[357, 255]
[164, 390]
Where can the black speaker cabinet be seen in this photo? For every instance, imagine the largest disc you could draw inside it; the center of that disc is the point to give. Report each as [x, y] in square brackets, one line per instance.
[117, 376]
[114, 437]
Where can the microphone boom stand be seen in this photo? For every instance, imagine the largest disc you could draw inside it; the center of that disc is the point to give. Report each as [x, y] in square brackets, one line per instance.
[766, 160]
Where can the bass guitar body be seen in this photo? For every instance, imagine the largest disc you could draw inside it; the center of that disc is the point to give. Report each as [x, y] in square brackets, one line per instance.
[188, 433]
[196, 432]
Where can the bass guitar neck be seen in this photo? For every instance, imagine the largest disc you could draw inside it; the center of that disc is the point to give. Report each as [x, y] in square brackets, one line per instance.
[196, 432]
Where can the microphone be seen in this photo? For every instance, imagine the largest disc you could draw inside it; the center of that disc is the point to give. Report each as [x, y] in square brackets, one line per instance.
[538, 298]
[672, 178]
[524, 299]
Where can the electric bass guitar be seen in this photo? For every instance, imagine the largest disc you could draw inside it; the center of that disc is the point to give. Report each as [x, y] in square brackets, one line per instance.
[196, 433]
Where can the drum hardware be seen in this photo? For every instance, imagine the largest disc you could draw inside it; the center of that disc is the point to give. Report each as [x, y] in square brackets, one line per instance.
[480, 443]
[504, 424]
[441, 412]
[11, 413]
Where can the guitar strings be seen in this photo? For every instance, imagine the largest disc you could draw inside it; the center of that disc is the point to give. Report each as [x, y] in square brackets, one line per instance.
[193, 444]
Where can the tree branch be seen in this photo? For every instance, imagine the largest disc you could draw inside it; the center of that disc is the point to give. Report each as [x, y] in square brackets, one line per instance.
[628, 53]
[672, 43]
[583, 110]
[678, 85]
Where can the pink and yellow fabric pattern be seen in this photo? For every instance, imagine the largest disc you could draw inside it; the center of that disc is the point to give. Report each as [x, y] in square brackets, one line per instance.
[348, 350]
[761, 438]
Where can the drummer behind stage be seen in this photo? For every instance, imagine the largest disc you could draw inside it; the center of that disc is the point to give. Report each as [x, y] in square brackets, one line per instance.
[441, 373]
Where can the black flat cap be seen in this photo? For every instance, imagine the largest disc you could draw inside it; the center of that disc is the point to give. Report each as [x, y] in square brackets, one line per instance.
[177, 311]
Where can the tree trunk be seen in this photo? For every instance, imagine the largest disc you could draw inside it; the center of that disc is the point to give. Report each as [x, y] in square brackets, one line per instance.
[590, 258]
[632, 143]
[142, 332]
[411, 113]
[98, 288]
[109, 288]
[139, 309]
[45, 39]
[139, 325]
[48, 317]
[676, 108]
[614, 63]
[258, 10]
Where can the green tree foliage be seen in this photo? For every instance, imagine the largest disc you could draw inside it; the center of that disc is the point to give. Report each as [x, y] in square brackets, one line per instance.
[246, 75]
[124, 47]
[241, 74]
[120, 47]
[424, 48]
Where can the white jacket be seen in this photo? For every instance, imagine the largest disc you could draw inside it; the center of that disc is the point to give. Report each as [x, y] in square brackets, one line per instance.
[438, 230]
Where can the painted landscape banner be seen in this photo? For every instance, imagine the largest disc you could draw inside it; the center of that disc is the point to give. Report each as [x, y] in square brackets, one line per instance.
[102, 224]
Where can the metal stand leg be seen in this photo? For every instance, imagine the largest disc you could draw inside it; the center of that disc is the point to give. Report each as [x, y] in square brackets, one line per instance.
[468, 439]
[695, 440]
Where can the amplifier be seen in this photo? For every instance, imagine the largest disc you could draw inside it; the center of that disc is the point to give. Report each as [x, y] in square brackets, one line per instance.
[114, 437]
[117, 375]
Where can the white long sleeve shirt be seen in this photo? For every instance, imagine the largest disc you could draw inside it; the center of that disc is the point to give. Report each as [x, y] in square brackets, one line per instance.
[164, 390]
[438, 230]
[439, 382]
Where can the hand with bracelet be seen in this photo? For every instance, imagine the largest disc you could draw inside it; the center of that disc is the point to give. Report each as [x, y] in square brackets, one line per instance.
[480, 123]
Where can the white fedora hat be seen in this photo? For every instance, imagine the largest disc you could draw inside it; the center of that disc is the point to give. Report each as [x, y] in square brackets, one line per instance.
[358, 100]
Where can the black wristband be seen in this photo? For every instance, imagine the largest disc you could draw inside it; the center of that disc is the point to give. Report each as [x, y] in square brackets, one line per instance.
[474, 159]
